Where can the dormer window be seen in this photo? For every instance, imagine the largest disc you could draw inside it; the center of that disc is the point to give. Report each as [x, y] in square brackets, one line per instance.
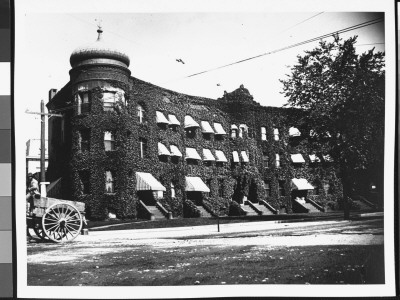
[234, 130]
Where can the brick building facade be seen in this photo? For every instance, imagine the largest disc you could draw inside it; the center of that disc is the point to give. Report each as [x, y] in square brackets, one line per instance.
[130, 149]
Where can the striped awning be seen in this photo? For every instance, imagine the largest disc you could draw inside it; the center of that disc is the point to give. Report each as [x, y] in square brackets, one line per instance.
[208, 155]
[147, 182]
[293, 131]
[301, 184]
[219, 129]
[220, 156]
[175, 151]
[162, 150]
[195, 184]
[173, 120]
[245, 158]
[191, 153]
[189, 122]
[160, 118]
[235, 156]
[206, 127]
[297, 158]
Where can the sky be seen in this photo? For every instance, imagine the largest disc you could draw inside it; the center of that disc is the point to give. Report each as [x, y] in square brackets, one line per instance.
[204, 39]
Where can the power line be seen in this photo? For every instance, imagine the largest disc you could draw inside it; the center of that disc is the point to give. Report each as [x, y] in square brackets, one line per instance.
[302, 21]
[354, 27]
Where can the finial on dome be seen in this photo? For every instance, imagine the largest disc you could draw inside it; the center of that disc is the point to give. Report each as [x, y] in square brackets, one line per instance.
[99, 30]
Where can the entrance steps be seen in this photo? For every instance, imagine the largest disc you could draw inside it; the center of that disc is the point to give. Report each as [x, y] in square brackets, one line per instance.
[363, 205]
[249, 210]
[265, 211]
[155, 212]
[310, 207]
[203, 212]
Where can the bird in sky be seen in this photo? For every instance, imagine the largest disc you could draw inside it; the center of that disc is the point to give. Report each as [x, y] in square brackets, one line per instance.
[180, 60]
[218, 84]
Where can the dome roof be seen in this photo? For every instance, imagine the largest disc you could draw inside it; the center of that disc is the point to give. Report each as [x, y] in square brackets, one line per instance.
[98, 52]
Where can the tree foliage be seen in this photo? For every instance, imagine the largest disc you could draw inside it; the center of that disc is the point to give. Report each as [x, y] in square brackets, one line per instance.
[341, 94]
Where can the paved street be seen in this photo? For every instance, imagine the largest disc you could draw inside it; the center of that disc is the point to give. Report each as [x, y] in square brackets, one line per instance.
[156, 253]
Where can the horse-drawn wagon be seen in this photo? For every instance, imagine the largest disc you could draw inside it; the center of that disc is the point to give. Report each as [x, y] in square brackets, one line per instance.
[55, 219]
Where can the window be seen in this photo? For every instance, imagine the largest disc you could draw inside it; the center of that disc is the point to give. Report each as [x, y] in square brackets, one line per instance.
[233, 133]
[109, 101]
[220, 187]
[140, 113]
[173, 195]
[110, 182]
[84, 140]
[276, 134]
[84, 177]
[267, 188]
[277, 161]
[109, 142]
[143, 147]
[327, 188]
[190, 132]
[316, 188]
[83, 104]
[266, 160]
[263, 133]
[242, 130]
[281, 187]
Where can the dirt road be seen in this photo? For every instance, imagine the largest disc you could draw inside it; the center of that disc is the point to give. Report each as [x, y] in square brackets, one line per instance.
[259, 252]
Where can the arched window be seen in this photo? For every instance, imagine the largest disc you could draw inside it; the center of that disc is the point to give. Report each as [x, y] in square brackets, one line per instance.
[110, 182]
[140, 113]
[173, 195]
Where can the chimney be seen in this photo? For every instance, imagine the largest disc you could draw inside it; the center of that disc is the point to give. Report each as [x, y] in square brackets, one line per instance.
[52, 93]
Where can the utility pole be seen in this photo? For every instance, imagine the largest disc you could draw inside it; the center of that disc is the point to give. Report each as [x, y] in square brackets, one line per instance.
[43, 145]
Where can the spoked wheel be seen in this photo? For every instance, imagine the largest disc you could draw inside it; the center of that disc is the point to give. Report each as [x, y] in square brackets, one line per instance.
[40, 233]
[62, 222]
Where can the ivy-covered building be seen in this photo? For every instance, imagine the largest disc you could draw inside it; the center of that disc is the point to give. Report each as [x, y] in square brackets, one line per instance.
[130, 149]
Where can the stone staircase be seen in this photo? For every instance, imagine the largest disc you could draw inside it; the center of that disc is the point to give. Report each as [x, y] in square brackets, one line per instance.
[203, 212]
[265, 210]
[155, 212]
[311, 208]
[249, 211]
[363, 205]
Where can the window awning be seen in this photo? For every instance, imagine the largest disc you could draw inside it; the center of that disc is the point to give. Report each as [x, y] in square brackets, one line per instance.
[301, 184]
[189, 122]
[191, 153]
[162, 150]
[220, 156]
[235, 156]
[195, 184]
[175, 151]
[297, 158]
[208, 155]
[160, 118]
[293, 131]
[314, 158]
[206, 127]
[219, 129]
[173, 120]
[233, 126]
[147, 182]
[245, 158]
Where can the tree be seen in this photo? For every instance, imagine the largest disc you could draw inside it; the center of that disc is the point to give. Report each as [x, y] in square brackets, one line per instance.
[341, 95]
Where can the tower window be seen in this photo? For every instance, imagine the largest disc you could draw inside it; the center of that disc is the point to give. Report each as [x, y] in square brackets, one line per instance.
[140, 113]
[109, 101]
[83, 103]
[267, 188]
[84, 140]
[109, 142]
[110, 182]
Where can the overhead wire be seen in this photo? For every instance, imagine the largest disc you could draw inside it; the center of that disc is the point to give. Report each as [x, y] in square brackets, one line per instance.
[354, 27]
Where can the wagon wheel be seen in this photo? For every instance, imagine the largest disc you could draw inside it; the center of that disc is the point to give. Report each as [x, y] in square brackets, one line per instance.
[61, 222]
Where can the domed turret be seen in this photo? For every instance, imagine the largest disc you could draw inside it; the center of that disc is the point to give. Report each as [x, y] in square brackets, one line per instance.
[99, 52]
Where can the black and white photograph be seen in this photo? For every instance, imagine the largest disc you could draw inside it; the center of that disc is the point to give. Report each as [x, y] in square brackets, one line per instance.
[186, 149]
